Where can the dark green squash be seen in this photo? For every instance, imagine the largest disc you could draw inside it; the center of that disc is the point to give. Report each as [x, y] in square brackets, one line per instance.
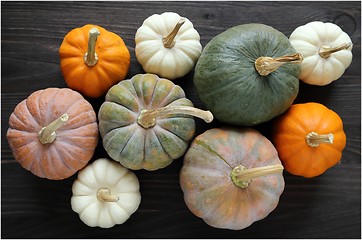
[229, 84]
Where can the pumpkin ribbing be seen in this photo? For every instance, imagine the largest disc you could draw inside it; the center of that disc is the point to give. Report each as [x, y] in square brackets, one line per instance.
[309, 138]
[93, 59]
[53, 133]
[146, 122]
[216, 173]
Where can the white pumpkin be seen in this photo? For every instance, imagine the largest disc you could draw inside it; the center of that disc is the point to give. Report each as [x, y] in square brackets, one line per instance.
[167, 45]
[326, 49]
[105, 194]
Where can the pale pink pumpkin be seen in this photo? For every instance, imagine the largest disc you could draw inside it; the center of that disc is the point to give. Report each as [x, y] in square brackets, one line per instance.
[53, 133]
[231, 177]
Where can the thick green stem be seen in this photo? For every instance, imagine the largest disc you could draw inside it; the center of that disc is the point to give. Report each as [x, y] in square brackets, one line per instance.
[147, 118]
[241, 176]
[168, 41]
[91, 57]
[327, 51]
[105, 195]
[314, 139]
[267, 65]
[48, 133]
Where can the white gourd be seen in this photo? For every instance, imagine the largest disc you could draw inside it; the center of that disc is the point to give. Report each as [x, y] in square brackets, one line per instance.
[326, 49]
[167, 45]
[105, 194]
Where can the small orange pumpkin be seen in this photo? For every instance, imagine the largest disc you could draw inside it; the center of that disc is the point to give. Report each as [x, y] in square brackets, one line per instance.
[53, 133]
[309, 138]
[93, 59]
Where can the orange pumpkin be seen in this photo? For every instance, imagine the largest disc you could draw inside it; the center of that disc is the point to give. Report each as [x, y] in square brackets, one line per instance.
[53, 133]
[93, 59]
[309, 138]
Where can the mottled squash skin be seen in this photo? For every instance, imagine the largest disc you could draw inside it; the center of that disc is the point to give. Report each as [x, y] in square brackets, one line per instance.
[134, 146]
[228, 83]
[75, 142]
[209, 191]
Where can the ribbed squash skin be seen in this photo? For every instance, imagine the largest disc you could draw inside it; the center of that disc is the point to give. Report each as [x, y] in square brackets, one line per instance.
[75, 142]
[129, 143]
[289, 134]
[112, 65]
[209, 191]
[228, 83]
[309, 39]
[105, 174]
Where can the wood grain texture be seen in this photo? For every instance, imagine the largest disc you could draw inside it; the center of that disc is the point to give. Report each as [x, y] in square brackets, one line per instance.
[328, 206]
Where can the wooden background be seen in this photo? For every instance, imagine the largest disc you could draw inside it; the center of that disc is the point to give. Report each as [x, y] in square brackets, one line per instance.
[328, 206]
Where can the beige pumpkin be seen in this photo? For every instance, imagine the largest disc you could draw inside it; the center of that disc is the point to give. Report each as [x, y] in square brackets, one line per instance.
[105, 194]
[327, 51]
[167, 45]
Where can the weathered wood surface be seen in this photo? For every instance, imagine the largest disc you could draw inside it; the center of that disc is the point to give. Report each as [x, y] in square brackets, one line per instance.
[328, 206]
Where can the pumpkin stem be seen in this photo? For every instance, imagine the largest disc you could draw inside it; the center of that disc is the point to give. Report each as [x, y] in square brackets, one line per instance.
[168, 41]
[266, 65]
[241, 176]
[91, 57]
[104, 195]
[314, 139]
[326, 51]
[147, 118]
[47, 134]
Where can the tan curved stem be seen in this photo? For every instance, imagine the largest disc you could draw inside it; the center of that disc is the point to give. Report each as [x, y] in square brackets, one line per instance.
[241, 176]
[48, 133]
[267, 65]
[327, 51]
[169, 40]
[147, 118]
[91, 57]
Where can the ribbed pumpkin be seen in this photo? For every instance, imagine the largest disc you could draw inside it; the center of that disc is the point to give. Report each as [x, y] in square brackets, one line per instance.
[231, 177]
[309, 138]
[93, 59]
[167, 45]
[246, 76]
[53, 133]
[105, 194]
[146, 122]
[326, 49]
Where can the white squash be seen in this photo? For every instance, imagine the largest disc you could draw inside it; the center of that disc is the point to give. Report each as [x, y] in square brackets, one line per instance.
[167, 45]
[105, 194]
[326, 49]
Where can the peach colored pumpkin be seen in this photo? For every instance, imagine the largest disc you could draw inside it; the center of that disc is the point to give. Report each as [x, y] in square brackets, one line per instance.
[53, 133]
[231, 177]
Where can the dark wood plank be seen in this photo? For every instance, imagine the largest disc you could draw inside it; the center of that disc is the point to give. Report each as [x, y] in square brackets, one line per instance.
[328, 206]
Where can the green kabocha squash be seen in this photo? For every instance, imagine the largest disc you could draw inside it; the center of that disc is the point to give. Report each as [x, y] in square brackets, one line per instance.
[146, 122]
[248, 74]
